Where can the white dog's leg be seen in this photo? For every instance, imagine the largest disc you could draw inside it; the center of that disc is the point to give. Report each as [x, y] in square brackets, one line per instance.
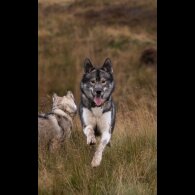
[58, 129]
[89, 132]
[98, 154]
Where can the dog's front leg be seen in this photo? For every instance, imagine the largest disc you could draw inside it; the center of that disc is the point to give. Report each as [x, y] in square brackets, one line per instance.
[57, 128]
[89, 132]
[98, 154]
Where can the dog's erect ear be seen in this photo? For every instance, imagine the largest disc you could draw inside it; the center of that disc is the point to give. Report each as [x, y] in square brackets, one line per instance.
[70, 94]
[54, 97]
[88, 67]
[107, 66]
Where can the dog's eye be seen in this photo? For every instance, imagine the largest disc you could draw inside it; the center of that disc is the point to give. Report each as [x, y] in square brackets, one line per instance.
[93, 81]
[103, 81]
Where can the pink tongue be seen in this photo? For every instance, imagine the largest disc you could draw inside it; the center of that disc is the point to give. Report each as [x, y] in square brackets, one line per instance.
[98, 101]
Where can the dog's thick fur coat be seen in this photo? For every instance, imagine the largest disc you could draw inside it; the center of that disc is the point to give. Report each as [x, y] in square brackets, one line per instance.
[55, 126]
[97, 110]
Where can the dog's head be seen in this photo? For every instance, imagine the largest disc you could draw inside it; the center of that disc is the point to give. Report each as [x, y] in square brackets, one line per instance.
[65, 103]
[97, 83]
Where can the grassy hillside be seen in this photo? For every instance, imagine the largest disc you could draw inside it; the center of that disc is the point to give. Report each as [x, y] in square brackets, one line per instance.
[68, 32]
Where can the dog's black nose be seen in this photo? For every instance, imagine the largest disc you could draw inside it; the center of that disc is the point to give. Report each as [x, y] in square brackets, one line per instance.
[98, 92]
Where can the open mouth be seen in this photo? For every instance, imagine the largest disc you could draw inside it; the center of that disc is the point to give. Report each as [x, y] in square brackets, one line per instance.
[98, 101]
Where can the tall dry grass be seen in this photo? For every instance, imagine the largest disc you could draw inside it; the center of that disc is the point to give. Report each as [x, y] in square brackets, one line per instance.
[68, 32]
[128, 166]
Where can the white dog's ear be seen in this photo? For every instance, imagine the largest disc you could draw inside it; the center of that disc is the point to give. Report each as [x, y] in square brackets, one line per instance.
[107, 66]
[70, 94]
[88, 67]
[54, 97]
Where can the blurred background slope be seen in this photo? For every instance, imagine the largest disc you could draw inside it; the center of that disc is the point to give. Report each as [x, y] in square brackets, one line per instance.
[69, 31]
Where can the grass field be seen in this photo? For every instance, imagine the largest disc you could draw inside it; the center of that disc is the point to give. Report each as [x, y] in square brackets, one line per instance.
[69, 31]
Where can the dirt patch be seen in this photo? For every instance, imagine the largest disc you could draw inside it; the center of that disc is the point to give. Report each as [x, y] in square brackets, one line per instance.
[149, 57]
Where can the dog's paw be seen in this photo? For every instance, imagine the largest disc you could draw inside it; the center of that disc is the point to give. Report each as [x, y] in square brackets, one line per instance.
[91, 139]
[96, 161]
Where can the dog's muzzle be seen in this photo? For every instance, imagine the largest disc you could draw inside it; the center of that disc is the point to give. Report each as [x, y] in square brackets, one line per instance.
[98, 92]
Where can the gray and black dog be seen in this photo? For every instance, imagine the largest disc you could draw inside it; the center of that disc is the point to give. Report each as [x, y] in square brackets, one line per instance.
[97, 109]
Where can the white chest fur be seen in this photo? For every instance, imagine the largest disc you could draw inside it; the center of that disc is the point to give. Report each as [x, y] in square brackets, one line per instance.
[97, 117]
[97, 112]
